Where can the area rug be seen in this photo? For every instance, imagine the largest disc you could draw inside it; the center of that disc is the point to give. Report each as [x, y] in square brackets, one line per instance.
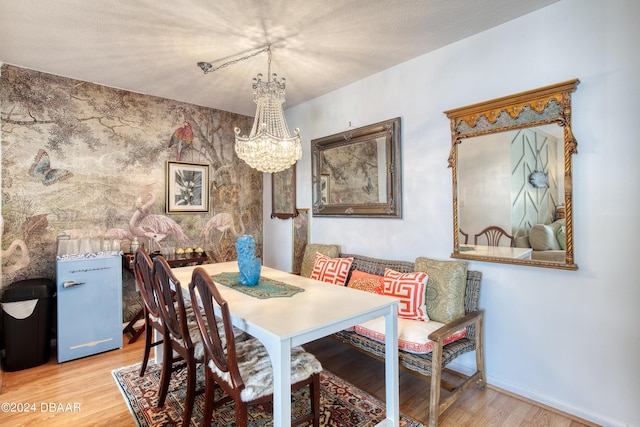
[341, 403]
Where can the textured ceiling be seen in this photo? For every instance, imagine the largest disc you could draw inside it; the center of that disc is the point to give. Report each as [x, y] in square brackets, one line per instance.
[152, 46]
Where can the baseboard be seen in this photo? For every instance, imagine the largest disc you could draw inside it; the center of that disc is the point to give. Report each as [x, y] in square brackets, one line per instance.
[517, 392]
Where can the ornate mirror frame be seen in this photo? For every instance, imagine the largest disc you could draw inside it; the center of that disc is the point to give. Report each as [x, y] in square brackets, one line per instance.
[349, 160]
[543, 106]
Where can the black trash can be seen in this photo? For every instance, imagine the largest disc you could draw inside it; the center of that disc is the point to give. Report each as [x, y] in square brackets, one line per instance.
[27, 323]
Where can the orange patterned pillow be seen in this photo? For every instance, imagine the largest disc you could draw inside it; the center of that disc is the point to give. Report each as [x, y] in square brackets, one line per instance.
[365, 284]
[331, 270]
[357, 277]
[410, 289]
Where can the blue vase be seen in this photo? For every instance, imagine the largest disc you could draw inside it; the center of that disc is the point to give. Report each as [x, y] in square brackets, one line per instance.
[248, 264]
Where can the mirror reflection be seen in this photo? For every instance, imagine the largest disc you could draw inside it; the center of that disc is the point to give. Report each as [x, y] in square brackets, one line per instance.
[512, 181]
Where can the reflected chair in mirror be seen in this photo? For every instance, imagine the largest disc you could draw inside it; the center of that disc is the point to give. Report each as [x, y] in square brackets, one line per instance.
[242, 369]
[143, 271]
[465, 236]
[493, 235]
[181, 334]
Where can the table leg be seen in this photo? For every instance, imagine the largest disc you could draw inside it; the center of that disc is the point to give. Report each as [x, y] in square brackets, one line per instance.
[281, 361]
[392, 388]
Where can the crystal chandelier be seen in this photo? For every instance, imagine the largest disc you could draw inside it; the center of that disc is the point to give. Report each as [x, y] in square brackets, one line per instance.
[270, 146]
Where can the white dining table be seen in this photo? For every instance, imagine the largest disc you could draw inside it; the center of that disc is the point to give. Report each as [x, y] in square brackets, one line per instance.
[321, 309]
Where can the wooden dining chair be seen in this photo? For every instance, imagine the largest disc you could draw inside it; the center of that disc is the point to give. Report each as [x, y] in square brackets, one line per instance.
[143, 271]
[181, 334]
[493, 234]
[242, 369]
[465, 236]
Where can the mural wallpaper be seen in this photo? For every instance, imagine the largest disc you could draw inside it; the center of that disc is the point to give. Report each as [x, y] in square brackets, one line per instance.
[91, 162]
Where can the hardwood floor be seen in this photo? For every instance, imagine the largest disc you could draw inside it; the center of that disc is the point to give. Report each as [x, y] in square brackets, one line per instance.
[83, 393]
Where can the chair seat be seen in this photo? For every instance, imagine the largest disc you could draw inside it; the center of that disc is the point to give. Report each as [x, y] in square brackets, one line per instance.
[256, 371]
[194, 332]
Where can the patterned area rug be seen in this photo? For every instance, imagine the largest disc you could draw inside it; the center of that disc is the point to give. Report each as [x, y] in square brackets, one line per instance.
[342, 404]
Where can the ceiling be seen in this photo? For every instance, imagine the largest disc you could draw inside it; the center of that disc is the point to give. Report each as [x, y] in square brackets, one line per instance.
[152, 46]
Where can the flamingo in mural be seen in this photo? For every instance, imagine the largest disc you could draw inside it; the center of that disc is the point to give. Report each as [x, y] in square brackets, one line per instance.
[24, 259]
[117, 233]
[222, 222]
[156, 227]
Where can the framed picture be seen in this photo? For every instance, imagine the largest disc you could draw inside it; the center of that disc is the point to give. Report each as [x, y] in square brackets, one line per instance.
[300, 238]
[283, 193]
[187, 187]
[358, 173]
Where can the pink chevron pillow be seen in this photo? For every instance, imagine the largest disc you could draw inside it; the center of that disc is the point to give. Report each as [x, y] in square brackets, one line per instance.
[410, 289]
[331, 270]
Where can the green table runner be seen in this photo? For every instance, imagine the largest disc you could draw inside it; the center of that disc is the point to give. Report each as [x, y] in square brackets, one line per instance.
[266, 288]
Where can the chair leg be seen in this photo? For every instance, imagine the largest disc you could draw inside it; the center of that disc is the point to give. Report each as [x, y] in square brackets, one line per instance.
[241, 413]
[148, 336]
[209, 403]
[191, 390]
[165, 377]
[315, 399]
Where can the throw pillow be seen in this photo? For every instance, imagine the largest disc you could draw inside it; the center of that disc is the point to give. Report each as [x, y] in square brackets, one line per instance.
[410, 289]
[365, 284]
[365, 281]
[445, 288]
[543, 238]
[331, 270]
[309, 257]
[561, 235]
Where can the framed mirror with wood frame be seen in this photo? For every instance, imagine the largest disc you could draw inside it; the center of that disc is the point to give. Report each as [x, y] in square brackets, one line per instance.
[358, 173]
[511, 162]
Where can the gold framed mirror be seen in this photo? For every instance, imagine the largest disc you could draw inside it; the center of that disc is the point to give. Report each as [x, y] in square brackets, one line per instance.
[511, 162]
[357, 173]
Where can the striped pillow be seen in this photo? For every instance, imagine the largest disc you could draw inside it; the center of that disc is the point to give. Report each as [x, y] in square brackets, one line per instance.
[331, 270]
[410, 288]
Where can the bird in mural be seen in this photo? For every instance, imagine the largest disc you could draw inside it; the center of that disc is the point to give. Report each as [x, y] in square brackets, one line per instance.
[156, 227]
[182, 138]
[222, 222]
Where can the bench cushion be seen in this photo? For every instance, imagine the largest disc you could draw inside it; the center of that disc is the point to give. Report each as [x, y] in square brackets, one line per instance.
[413, 336]
[445, 288]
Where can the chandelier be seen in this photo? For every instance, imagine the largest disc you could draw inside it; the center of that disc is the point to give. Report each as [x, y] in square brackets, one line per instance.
[270, 147]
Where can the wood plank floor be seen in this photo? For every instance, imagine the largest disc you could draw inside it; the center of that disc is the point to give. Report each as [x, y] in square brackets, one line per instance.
[83, 393]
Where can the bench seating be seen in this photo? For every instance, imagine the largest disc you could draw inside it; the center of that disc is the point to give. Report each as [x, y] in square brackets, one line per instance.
[430, 365]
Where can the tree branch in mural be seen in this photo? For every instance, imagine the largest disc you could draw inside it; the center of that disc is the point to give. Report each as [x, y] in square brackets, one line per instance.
[24, 259]
[157, 227]
[182, 139]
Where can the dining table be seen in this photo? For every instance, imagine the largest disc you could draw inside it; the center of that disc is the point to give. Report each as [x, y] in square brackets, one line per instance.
[286, 310]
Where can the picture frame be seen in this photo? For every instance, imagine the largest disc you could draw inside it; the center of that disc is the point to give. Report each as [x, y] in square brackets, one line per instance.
[187, 187]
[300, 239]
[283, 194]
[358, 173]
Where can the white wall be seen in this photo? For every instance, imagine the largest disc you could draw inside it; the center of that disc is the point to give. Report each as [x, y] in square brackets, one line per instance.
[568, 339]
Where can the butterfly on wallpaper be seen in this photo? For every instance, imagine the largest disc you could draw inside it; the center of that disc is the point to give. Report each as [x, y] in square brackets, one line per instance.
[41, 168]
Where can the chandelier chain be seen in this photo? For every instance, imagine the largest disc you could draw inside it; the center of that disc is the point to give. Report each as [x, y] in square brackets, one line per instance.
[267, 48]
